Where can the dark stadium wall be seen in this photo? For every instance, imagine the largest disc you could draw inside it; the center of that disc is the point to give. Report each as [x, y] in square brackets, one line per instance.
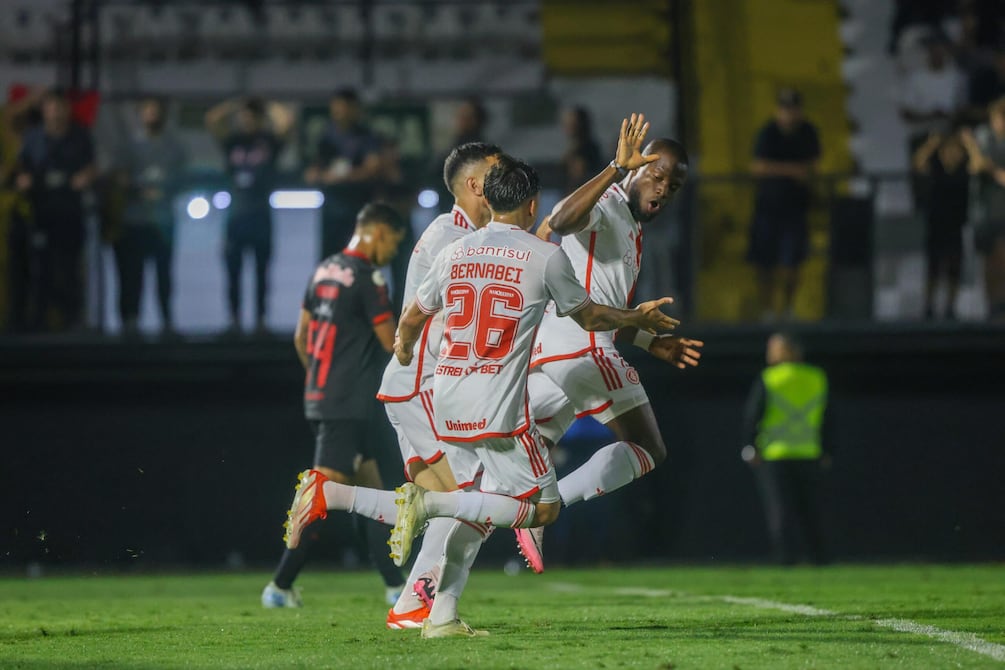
[180, 455]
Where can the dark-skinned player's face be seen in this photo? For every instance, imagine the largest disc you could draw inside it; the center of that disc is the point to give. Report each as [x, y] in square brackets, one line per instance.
[654, 185]
[386, 243]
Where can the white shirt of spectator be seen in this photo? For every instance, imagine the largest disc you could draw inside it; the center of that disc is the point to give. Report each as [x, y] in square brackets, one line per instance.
[493, 286]
[607, 257]
[400, 383]
[928, 91]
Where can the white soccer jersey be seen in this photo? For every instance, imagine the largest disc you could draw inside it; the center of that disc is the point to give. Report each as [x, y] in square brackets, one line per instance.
[400, 383]
[606, 255]
[493, 286]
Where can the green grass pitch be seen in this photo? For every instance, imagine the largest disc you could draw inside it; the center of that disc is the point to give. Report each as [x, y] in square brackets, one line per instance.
[657, 618]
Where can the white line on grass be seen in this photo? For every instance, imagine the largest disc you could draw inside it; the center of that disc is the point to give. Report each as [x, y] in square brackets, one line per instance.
[965, 640]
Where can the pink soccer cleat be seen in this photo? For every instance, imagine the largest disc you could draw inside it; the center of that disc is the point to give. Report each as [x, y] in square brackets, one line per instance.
[530, 542]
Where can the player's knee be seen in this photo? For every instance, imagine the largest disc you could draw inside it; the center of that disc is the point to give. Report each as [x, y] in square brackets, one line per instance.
[546, 513]
[656, 450]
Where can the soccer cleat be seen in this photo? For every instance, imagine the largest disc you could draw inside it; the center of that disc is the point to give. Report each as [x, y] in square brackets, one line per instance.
[530, 542]
[455, 628]
[425, 586]
[308, 506]
[411, 619]
[411, 521]
[274, 597]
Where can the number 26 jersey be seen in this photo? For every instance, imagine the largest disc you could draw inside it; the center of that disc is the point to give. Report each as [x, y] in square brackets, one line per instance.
[493, 286]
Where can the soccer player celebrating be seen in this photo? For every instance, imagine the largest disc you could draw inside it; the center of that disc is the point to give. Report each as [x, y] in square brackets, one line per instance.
[494, 285]
[407, 390]
[345, 331]
[576, 373]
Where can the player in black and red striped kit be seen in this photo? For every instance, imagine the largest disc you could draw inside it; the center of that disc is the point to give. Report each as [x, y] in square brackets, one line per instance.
[344, 338]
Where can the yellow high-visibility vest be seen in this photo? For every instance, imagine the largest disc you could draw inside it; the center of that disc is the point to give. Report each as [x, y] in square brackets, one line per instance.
[793, 412]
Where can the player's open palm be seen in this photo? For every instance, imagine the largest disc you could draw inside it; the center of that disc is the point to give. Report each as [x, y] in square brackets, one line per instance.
[651, 319]
[679, 351]
[633, 133]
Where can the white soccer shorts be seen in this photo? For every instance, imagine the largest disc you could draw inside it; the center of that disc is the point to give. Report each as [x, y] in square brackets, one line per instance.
[599, 383]
[412, 421]
[518, 467]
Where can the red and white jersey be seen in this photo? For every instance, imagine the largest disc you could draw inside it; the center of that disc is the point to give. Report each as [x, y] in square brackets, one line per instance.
[606, 255]
[493, 286]
[400, 383]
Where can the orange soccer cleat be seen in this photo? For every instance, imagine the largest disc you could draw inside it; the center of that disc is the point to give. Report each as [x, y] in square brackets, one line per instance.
[308, 506]
[411, 619]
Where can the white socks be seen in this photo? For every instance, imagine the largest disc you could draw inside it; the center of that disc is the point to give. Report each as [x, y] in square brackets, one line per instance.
[433, 542]
[609, 469]
[462, 545]
[481, 508]
[371, 503]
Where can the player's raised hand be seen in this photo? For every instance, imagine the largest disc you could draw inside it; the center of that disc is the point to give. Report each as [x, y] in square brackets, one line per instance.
[651, 319]
[633, 133]
[679, 351]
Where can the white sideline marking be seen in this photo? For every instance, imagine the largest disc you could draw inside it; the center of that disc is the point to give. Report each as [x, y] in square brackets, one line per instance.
[805, 610]
[968, 641]
[965, 640]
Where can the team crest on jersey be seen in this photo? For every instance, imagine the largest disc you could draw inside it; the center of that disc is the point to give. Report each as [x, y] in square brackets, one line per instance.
[335, 272]
[632, 375]
[378, 278]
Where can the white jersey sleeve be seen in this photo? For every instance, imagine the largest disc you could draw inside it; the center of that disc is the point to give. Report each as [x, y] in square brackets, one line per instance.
[429, 296]
[401, 383]
[606, 257]
[563, 288]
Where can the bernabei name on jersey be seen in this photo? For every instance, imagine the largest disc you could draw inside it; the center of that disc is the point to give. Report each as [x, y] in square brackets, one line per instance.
[496, 271]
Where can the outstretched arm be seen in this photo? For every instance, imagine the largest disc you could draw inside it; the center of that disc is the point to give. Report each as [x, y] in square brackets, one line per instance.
[572, 214]
[647, 316]
[217, 116]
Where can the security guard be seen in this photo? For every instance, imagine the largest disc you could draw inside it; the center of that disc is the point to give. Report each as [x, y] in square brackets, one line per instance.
[786, 446]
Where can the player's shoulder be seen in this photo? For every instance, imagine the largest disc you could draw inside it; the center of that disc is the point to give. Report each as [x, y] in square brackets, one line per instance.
[613, 205]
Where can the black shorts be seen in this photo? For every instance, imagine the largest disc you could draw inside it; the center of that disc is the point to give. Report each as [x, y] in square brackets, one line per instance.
[341, 444]
[338, 443]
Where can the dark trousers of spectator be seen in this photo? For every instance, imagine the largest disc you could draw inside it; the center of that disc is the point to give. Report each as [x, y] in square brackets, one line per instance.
[790, 491]
[137, 244]
[22, 278]
[248, 231]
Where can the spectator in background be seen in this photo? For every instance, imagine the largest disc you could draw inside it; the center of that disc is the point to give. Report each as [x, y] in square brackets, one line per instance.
[932, 94]
[942, 164]
[986, 148]
[16, 116]
[785, 156]
[470, 119]
[347, 167]
[787, 445]
[54, 169]
[582, 158]
[152, 171]
[252, 133]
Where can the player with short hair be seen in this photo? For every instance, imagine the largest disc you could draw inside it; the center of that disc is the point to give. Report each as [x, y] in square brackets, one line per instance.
[576, 373]
[344, 334]
[494, 285]
[406, 391]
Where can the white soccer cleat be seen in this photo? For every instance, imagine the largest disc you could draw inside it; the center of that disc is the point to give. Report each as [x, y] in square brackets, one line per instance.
[411, 520]
[274, 597]
[455, 628]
